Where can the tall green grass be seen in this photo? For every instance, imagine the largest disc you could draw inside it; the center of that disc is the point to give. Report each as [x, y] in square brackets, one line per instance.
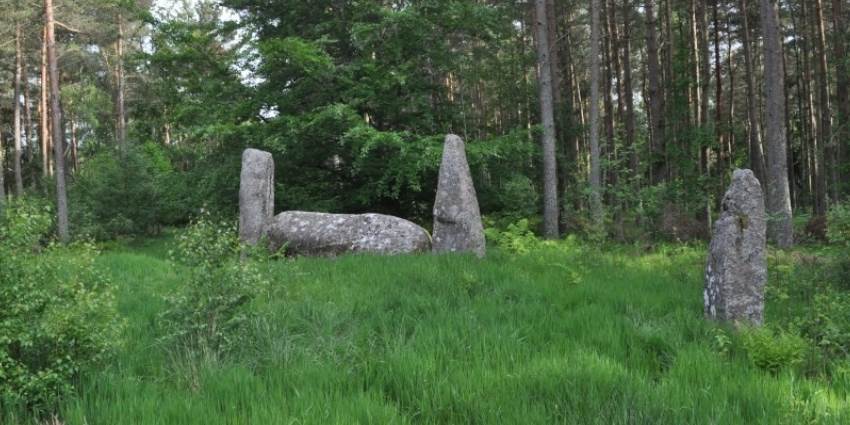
[565, 335]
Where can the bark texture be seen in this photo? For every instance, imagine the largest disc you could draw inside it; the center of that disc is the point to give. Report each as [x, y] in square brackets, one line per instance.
[780, 227]
[56, 120]
[547, 112]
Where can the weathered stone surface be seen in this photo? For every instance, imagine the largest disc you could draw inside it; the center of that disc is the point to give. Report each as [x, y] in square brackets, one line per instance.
[736, 272]
[256, 195]
[457, 219]
[310, 233]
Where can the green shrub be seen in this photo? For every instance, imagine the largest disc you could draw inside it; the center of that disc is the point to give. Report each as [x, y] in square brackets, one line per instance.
[209, 314]
[58, 314]
[126, 195]
[773, 351]
[26, 223]
[827, 323]
[838, 227]
[517, 238]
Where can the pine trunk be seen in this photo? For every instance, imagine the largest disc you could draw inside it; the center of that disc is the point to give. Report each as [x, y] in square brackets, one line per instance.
[56, 119]
[754, 128]
[121, 118]
[628, 90]
[842, 81]
[826, 140]
[44, 110]
[656, 98]
[778, 191]
[550, 177]
[595, 154]
[19, 179]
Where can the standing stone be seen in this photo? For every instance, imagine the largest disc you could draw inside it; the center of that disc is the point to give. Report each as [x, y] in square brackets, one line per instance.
[256, 195]
[312, 233]
[736, 272]
[457, 219]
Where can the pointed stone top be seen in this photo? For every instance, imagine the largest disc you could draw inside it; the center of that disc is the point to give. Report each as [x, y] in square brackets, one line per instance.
[744, 190]
[453, 138]
[457, 218]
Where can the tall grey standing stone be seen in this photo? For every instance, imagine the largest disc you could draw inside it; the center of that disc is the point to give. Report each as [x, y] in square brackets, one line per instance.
[457, 218]
[256, 195]
[736, 272]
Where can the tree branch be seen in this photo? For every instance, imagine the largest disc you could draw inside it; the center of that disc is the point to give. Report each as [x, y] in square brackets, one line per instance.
[68, 28]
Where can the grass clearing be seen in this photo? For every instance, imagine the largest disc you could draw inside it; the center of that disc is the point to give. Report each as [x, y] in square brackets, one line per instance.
[567, 334]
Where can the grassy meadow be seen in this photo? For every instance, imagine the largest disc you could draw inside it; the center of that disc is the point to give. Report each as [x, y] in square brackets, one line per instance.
[566, 334]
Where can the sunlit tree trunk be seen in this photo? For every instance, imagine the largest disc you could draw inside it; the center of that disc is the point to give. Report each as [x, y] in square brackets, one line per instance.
[595, 154]
[27, 110]
[610, 142]
[811, 82]
[778, 192]
[718, 85]
[44, 108]
[842, 81]
[121, 118]
[656, 97]
[19, 179]
[628, 90]
[754, 128]
[830, 158]
[56, 119]
[614, 33]
[550, 177]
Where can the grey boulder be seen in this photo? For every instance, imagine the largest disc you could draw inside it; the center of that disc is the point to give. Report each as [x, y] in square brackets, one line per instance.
[457, 218]
[322, 234]
[256, 195]
[736, 273]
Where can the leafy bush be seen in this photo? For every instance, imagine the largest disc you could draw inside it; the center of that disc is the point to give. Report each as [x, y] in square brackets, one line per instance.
[838, 227]
[773, 351]
[517, 238]
[26, 223]
[210, 312]
[58, 314]
[827, 323]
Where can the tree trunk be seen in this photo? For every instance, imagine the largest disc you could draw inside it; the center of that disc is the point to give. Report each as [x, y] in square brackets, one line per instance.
[613, 30]
[595, 154]
[656, 98]
[826, 140]
[718, 85]
[778, 191]
[45, 110]
[703, 76]
[19, 179]
[75, 160]
[731, 140]
[550, 177]
[696, 100]
[755, 147]
[611, 151]
[815, 148]
[56, 119]
[627, 88]
[121, 118]
[27, 110]
[842, 81]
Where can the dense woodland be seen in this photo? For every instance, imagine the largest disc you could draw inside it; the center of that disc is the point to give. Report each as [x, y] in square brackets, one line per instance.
[624, 117]
[601, 136]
